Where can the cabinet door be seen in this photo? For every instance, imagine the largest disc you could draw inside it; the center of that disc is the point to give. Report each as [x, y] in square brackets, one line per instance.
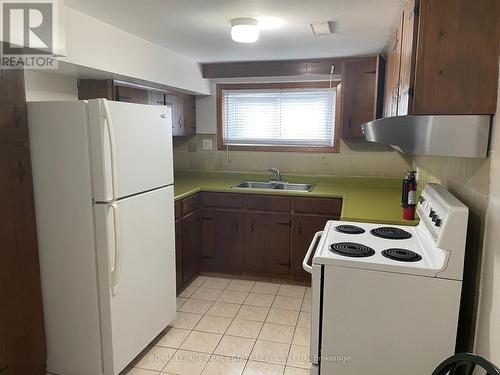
[175, 103]
[178, 255]
[13, 113]
[20, 291]
[156, 98]
[222, 241]
[267, 243]
[359, 86]
[408, 49]
[191, 245]
[303, 229]
[392, 67]
[131, 95]
[189, 112]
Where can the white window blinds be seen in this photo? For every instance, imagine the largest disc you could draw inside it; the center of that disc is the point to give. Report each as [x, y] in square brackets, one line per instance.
[282, 117]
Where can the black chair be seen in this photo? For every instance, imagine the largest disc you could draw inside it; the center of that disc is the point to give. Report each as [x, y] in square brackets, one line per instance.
[465, 363]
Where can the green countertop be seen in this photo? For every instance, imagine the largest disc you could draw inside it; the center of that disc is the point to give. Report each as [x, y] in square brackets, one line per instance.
[370, 199]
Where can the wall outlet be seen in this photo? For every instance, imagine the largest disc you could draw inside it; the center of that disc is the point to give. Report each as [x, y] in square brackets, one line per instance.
[208, 144]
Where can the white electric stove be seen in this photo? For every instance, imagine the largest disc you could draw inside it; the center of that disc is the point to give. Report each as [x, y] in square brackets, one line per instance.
[386, 297]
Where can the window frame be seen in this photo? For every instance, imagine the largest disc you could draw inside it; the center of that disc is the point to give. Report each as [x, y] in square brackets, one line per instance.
[279, 85]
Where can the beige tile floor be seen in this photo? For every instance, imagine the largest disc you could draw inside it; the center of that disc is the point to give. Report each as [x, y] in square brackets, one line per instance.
[228, 326]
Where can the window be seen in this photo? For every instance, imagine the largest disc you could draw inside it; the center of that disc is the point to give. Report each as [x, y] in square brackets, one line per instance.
[278, 117]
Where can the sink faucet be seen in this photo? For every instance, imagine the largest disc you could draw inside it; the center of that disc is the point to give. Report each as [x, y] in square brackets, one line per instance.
[276, 173]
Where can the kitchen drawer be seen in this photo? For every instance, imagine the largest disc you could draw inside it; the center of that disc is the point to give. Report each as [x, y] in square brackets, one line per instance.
[178, 210]
[320, 206]
[190, 204]
[220, 200]
[267, 203]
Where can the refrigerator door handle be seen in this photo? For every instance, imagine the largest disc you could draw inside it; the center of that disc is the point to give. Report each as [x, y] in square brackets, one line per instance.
[112, 147]
[115, 271]
[306, 266]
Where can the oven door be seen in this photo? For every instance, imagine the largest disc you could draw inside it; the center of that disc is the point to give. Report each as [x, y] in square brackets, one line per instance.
[316, 285]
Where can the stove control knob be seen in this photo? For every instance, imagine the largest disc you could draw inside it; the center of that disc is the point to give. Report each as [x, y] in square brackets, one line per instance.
[432, 213]
[437, 223]
[421, 199]
[434, 218]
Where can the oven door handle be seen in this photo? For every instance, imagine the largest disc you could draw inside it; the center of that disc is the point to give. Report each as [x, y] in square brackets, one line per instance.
[306, 266]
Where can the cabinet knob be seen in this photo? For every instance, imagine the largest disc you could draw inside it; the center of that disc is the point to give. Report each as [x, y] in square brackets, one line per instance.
[252, 225]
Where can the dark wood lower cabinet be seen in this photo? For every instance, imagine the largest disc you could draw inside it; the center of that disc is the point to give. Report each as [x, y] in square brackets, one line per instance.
[267, 243]
[192, 243]
[222, 241]
[303, 229]
[248, 234]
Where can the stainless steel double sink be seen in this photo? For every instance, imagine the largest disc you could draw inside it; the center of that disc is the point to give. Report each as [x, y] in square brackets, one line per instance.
[274, 185]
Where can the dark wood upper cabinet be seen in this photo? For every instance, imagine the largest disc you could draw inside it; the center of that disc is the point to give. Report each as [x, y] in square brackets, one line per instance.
[222, 241]
[392, 67]
[14, 115]
[448, 61]
[407, 65]
[191, 244]
[267, 243]
[183, 106]
[362, 82]
[131, 95]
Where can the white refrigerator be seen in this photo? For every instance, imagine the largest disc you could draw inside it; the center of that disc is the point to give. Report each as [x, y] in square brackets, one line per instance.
[103, 183]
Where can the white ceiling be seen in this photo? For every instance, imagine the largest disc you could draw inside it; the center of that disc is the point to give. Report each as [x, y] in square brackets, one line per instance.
[200, 29]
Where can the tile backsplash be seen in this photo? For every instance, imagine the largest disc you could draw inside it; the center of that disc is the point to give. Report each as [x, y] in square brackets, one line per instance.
[354, 159]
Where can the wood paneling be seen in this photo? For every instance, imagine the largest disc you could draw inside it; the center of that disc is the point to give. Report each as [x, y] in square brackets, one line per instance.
[457, 57]
[359, 88]
[267, 243]
[222, 241]
[272, 68]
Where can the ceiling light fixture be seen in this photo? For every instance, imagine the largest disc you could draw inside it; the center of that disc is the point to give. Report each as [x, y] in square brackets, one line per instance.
[245, 30]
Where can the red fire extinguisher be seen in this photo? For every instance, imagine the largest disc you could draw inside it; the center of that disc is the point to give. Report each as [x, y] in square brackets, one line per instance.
[409, 196]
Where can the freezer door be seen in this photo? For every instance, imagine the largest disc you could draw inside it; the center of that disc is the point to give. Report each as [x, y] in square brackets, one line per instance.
[136, 263]
[131, 148]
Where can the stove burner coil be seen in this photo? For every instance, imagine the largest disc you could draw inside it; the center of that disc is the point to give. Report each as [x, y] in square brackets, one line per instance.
[390, 233]
[351, 249]
[349, 229]
[402, 255]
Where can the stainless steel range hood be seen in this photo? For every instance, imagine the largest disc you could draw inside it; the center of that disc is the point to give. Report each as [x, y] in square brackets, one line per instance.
[443, 135]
